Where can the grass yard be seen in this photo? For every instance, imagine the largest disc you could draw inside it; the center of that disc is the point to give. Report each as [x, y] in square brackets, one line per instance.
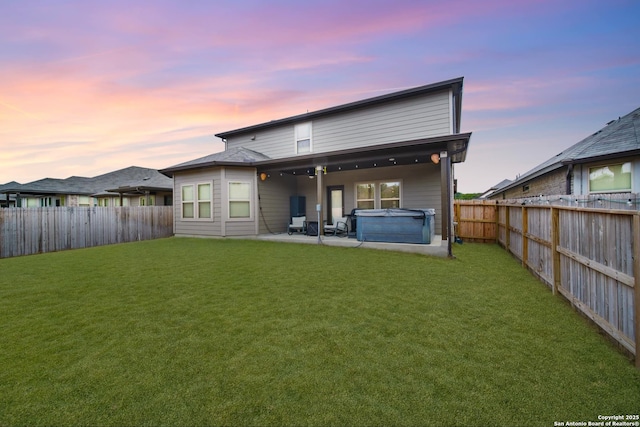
[230, 332]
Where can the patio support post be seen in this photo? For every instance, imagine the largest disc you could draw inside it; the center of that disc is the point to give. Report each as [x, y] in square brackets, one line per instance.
[319, 170]
[445, 190]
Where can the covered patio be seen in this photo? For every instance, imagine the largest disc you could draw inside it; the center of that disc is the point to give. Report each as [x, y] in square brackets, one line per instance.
[432, 157]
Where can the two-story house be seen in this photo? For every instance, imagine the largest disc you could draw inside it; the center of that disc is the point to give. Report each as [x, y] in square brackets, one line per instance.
[390, 151]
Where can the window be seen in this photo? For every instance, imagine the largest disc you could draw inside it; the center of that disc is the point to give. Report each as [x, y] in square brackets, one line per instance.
[610, 178]
[152, 200]
[196, 201]
[204, 200]
[303, 138]
[365, 196]
[378, 195]
[239, 200]
[188, 209]
[389, 195]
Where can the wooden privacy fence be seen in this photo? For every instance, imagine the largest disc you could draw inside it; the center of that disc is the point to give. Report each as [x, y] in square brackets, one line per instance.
[590, 256]
[27, 231]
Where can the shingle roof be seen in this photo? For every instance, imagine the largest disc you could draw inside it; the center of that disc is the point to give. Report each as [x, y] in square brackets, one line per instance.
[619, 137]
[236, 155]
[133, 176]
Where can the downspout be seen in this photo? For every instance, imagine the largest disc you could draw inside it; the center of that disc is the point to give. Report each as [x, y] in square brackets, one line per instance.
[568, 179]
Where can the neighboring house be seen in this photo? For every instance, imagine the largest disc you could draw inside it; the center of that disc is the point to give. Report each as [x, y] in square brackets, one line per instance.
[132, 186]
[493, 189]
[603, 163]
[8, 201]
[393, 150]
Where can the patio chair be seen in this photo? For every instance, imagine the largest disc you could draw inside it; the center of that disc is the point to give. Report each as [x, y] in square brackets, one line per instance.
[298, 225]
[338, 228]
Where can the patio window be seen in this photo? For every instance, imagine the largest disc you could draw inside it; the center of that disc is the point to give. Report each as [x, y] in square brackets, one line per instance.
[365, 196]
[378, 195]
[389, 195]
[239, 200]
[303, 138]
[196, 201]
[610, 178]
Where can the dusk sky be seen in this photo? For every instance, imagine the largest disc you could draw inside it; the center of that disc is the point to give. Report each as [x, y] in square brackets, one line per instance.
[89, 87]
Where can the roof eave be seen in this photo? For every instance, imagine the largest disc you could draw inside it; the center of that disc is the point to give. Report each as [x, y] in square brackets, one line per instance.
[171, 170]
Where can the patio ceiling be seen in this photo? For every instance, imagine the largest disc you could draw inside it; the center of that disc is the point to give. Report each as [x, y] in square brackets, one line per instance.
[401, 153]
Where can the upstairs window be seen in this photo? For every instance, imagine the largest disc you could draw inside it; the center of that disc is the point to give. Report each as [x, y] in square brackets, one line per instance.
[610, 178]
[303, 138]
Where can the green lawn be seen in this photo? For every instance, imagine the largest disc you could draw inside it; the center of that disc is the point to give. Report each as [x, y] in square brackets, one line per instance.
[232, 332]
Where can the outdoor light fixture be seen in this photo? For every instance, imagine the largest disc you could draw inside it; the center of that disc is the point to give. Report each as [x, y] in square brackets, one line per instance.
[263, 176]
[435, 158]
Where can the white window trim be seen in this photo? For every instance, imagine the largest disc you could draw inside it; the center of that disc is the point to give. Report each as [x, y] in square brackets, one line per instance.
[296, 139]
[229, 200]
[196, 201]
[601, 165]
[377, 201]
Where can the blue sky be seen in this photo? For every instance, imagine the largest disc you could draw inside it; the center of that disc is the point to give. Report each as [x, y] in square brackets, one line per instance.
[88, 87]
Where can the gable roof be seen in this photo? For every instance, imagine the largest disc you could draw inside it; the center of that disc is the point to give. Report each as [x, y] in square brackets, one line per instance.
[618, 138]
[454, 84]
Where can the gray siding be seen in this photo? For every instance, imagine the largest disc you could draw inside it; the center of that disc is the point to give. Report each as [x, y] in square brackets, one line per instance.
[274, 196]
[221, 224]
[197, 227]
[240, 227]
[402, 120]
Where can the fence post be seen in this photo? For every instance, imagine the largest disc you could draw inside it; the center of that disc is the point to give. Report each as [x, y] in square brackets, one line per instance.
[507, 229]
[636, 287]
[497, 216]
[555, 255]
[525, 238]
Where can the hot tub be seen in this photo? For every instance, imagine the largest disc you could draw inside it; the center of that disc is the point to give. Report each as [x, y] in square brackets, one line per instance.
[395, 225]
